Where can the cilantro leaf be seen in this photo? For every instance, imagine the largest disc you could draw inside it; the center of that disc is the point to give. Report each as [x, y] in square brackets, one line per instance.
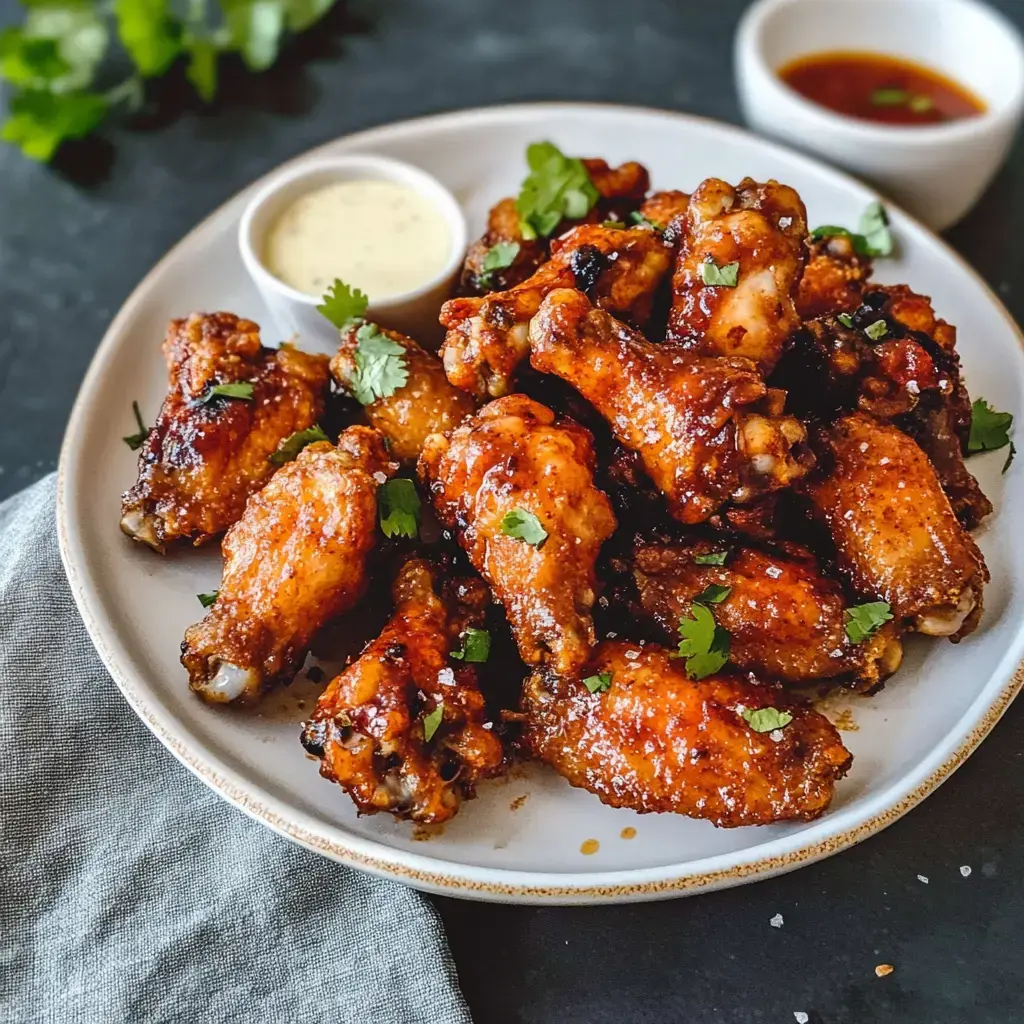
[557, 186]
[864, 620]
[398, 505]
[726, 277]
[207, 599]
[80, 33]
[201, 69]
[766, 719]
[704, 644]
[642, 222]
[432, 721]
[40, 121]
[255, 28]
[845, 319]
[30, 61]
[990, 430]
[476, 646]
[136, 441]
[149, 34]
[524, 525]
[241, 389]
[712, 558]
[877, 331]
[874, 237]
[599, 683]
[342, 304]
[713, 593]
[890, 98]
[498, 257]
[380, 366]
[290, 447]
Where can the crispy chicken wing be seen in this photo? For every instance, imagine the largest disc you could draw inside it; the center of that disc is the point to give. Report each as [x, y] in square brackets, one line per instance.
[761, 227]
[895, 533]
[833, 280]
[514, 456]
[707, 429]
[205, 456]
[487, 338]
[786, 620]
[426, 404]
[662, 208]
[659, 741]
[295, 559]
[371, 728]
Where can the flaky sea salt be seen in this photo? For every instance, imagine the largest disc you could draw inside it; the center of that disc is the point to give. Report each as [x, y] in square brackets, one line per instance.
[965, 870]
[800, 1017]
[381, 478]
[923, 878]
[776, 921]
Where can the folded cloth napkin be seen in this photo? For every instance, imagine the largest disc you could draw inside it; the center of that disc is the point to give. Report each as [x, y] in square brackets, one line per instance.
[130, 892]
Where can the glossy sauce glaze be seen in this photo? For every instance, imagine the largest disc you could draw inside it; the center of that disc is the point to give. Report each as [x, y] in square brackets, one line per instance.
[876, 87]
[378, 236]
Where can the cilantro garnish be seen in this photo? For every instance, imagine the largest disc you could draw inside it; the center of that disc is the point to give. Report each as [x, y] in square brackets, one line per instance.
[766, 719]
[711, 558]
[398, 505]
[498, 257]
[712, 274]
[432, 721]
[557, 187]
[643, 222]
[874, 237]
[864, 620]
[380, 366]
[240, 389]
[704, 644]
[290, 447]
[713, 593]
[40, 120]
[207, 599]
[890, 97]
[476, 646]
[876, 331]
[147, 32]
[990, 430]
[615, 225]
[342, 304]
[599, 683]
[523, 525]
[845, 319]
[136, 441]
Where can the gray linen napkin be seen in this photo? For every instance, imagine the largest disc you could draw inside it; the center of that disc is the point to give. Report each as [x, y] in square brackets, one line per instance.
[130, 892]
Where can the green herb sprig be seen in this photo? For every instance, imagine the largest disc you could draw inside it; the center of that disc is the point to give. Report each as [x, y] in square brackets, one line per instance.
[557, 187]
[873, 237]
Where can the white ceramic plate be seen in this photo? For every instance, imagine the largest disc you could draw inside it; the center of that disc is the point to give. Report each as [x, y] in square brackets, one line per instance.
[136, 604]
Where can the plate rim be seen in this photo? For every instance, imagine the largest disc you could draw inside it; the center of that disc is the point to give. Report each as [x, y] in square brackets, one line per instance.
[785, 853]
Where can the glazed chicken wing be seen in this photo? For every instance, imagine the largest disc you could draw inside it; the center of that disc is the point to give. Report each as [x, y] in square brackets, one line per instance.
[785, 619]
[295, 559]
[760, 227]
[656, 740]
[514, 458]
[487, 338]
[833, 280]
[426, 404]
[707, 429]
[895, 533]
[662, 208]
[376, 728]
[206, 455]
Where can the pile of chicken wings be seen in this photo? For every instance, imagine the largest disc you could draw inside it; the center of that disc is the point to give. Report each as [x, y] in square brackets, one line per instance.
[683, 463]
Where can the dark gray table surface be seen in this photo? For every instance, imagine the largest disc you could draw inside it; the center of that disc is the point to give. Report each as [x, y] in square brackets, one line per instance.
[75, 241]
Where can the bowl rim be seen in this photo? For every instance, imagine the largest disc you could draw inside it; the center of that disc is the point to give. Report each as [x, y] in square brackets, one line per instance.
[374, 167]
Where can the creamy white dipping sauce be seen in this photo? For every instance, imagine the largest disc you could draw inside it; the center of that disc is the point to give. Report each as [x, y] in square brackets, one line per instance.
[379, 236]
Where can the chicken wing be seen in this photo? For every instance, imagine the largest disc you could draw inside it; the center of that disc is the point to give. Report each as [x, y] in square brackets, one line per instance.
[511, 461]
[373, 727]
[895, 533]
[761, 228]
[833, 280]
[426, 404]
[656, 740]
[661, 209]
[206, 454]
[295, 559]
[785, 619]
[487, 339]
[707, 429]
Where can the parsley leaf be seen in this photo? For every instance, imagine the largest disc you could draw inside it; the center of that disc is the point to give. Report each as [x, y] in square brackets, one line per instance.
[712, 558]
[523, 525]
[845, 319]
[290, 447]
[241, 389]
[990, 430]
[864, 620]
[599, 683]
[342, 304]
[726, 277]
[380, 366]
[398, 505]
[136, 441]
[704, 644]
[149, 34]
[25, 60]
[766, 719]
[877, 330]
[874, 237]
[557, 186]
[642, 222]
[713, 593]
[432, 721]
[476, 646]
[498, 257]
[40, 121]
[890, 98]
[207, 599]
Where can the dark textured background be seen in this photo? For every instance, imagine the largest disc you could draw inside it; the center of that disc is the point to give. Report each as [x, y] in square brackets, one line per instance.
[73, 243]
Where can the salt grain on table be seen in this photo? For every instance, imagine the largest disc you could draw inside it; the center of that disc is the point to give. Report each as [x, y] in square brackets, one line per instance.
[776, 921]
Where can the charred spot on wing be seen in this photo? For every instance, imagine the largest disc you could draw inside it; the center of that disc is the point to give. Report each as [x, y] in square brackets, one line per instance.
[586, 264]
[313, 737]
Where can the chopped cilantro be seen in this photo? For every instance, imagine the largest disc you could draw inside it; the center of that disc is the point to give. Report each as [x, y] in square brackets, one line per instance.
[498, 257]
[290, 447]
[921, 104]
[556, 187]
[599, 683]
[523, 525]
[398, 505]
[845, 319]
[476, 646]
[876, 331]
[712, 274]
[890, 98]
[380, 366]
[642, 222]
[713, 593]
[766, 719]
[432, 721]
[990, 430]
[874, 237]
[343, 304]
[241, 389]
[704, 644]
[615, 225]
[711, 558]
[864, 620]
[136, 441]
[207, 599]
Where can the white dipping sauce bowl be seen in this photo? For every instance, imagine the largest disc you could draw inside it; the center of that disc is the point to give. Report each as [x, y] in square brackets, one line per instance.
[295, 314]
[937, 172]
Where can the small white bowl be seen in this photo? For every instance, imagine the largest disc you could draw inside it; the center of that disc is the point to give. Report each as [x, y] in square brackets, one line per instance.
[937, 172]
[295, 314]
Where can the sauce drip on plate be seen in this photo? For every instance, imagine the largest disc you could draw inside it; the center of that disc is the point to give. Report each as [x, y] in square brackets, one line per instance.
[876, 87]
[379, 236]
